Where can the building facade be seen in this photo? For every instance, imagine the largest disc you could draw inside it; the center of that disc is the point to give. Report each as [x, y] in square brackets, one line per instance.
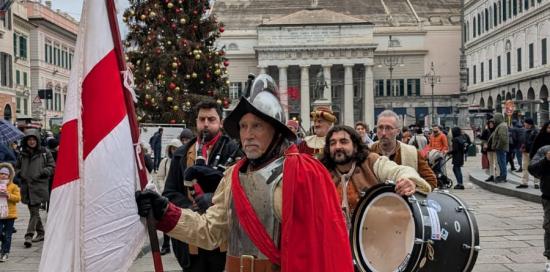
[52, 47]
[363, 58]
[507, 55]
[22, 62]
[7, 91]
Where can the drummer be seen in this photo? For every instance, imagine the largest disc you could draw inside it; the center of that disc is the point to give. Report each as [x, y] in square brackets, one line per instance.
[354, 169]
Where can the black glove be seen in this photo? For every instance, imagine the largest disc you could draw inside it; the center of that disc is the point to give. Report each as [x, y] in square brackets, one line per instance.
[204, 201]
[150, 200]
[207, 177]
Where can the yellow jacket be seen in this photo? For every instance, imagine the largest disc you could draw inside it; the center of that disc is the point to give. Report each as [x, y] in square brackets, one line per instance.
[14, 196]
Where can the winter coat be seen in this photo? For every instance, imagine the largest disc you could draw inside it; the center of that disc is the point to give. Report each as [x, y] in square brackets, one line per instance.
[499, 138]
[34, 168]
[530, 135]
[7, 154]
[459, 144]
[539, 167]
[14, 194]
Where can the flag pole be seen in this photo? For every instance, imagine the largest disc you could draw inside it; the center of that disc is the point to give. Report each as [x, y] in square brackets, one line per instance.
[153, 239]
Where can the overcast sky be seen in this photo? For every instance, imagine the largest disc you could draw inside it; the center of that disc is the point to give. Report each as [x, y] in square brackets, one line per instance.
[74, 8]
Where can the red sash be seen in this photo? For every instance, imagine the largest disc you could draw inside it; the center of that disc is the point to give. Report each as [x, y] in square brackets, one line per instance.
[249, 220]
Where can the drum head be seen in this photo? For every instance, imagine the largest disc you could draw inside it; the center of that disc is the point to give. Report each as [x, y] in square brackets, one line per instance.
[383, 231]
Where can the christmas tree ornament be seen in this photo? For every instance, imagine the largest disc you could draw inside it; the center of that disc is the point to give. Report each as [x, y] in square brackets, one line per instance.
[174, 65]
[197, 57]
[169, 99]
[188, 104]
[183, 21]
[172, 121]
[194, 75]
[217, 72]
[143, 17]
[170, 5]
[226, 63]
[222, 29]
[172, 86]
[219, 101]
[188, 76]
[152, 15]
[175, 108]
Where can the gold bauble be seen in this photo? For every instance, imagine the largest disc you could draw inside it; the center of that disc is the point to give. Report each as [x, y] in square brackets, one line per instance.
[218, 72]
[147, 96]
[194, 75]
[177, 89]
[143, 17]
[183, 21]
[187, 76]
[202, 82]
[170, 5]
[169, 99]
[188, 104]
[175, 108]
[197, 57]
[174, 65]
[219, 101]
[132, 12]
[147, 68]
[152, 14]
[153, 100]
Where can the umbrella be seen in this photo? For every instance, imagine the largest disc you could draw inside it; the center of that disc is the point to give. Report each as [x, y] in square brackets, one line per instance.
[9, 133]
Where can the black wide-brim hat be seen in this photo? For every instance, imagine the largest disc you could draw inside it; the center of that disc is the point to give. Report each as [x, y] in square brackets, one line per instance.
[231, 122]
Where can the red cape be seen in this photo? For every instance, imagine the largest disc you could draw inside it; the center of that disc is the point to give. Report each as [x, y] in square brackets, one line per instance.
[314, 235]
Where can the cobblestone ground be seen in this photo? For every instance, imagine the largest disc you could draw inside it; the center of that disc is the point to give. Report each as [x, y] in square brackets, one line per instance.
[510, 231]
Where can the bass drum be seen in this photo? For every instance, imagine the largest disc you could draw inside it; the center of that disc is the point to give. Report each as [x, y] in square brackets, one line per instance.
[418, 233]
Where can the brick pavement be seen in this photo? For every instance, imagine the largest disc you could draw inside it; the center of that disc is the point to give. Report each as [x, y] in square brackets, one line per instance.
[510, 230]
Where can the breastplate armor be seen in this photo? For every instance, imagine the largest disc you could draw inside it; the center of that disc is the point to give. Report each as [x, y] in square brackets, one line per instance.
[259, 187]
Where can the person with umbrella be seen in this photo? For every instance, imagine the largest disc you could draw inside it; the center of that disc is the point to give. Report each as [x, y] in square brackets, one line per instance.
[8, 134]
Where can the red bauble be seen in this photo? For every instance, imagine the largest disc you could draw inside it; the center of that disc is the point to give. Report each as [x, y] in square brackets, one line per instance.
[173, 25]
[208, 76]
[172, 86]
[222, 29]
[195, 12]
[225, 104]
[222, 53]
[226, 63]
[210, 92]
[172, 121]
[178, 10]
[195, 27]
[162, 20]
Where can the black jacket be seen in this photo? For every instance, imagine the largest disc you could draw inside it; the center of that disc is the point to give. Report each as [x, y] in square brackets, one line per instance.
[174, 188]
[459, 145]
[539, 167]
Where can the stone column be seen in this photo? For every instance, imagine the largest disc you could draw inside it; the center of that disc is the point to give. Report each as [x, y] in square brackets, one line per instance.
[304, 98]
[262, 69]
[283, 88]
[348, 95]
[368, 97]
[327, 92]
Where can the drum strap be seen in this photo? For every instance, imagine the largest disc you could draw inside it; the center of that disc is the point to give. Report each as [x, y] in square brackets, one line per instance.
[344, 180]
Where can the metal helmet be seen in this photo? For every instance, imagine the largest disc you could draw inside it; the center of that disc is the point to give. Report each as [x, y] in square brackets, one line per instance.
[264, 103]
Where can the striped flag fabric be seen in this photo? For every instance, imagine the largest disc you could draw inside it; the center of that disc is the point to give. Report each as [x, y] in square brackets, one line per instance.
[93, 223]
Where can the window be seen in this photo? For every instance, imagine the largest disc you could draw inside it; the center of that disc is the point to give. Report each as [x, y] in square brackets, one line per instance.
[475, 76]
[508, 63]
[504, 10]
[18, 104]
[531, 57]
[17, 77]
[379, 87]
[495, 16]
[526, 4]
[474, 27]
[25, 106]
[544, 52]
[25, 80]
[467, 76]
[235, 89]
[70, 60]
[413, 87]
[486, 20]
[23, 47]
[515, 7]
[490, 69]
[499, 62]
[510, 9]
[6, 72]
[478, 24]
[519, 59]
[482, 72]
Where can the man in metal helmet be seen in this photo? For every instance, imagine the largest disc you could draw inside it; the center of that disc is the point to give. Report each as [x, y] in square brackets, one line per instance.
[267, 226]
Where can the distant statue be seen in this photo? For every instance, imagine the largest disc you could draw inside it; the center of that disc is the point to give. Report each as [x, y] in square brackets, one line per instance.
[320, 85]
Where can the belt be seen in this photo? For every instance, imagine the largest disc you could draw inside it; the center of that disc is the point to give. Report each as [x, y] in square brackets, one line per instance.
[249, 263]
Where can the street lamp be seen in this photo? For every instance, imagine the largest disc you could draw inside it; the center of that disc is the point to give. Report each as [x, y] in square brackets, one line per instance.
[431, 78]
[391, 61]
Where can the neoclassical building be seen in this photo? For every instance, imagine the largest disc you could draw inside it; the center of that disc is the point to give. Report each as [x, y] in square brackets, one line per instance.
[341, 51]
[507, 55]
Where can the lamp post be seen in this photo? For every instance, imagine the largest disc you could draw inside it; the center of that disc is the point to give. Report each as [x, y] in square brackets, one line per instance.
[391, 61]
[431, 78]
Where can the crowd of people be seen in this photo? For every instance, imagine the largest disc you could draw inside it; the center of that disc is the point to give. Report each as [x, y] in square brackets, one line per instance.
[224, 204]
[26, 174]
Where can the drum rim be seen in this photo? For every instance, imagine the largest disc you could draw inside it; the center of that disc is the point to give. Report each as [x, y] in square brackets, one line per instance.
[473, 226]
[370, 194]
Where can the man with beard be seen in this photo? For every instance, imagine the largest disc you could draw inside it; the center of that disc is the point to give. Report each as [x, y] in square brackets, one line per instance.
[323, 119]
[354, 169]
[216, 149]
[402, 154]
[267, 226]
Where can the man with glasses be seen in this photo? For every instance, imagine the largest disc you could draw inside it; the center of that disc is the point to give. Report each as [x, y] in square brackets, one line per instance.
[402, 154]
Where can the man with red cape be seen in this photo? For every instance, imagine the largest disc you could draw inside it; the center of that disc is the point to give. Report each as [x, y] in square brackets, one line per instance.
[274, 210]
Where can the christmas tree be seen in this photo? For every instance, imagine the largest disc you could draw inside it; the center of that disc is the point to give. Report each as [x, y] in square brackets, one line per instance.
[170, 49]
